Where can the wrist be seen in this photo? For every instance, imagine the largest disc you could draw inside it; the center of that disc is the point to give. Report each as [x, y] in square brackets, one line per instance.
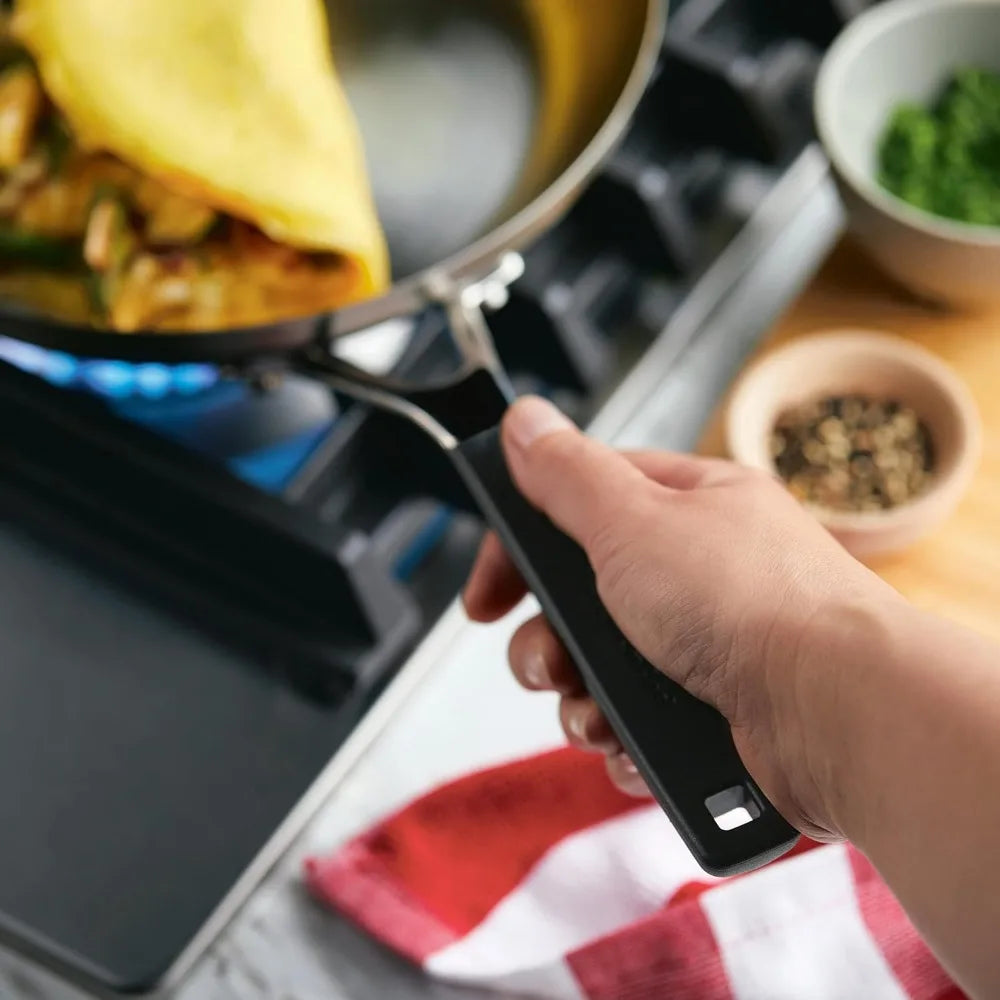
[832, 708]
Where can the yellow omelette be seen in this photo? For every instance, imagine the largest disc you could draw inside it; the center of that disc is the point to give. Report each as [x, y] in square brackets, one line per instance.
[200, 154]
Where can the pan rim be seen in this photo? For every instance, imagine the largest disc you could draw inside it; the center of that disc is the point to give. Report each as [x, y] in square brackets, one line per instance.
[405, 297]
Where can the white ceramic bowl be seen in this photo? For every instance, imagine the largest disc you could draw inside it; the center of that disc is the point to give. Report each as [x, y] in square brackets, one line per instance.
[906, 50]
[883, 367]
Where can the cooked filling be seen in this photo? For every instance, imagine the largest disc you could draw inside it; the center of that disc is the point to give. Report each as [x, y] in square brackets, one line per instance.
[87, 237]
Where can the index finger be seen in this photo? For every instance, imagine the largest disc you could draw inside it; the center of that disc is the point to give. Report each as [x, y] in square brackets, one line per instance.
[495, 587]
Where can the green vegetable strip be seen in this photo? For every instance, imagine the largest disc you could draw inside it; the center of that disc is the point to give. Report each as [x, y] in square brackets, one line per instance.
[20, 247]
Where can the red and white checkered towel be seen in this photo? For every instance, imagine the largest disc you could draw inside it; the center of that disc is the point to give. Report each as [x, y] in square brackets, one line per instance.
[538, 878]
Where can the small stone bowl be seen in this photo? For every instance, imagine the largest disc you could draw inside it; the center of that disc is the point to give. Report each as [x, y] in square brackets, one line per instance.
[882, 367]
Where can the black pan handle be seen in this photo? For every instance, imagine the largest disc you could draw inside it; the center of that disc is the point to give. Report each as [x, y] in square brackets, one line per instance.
[682, 747]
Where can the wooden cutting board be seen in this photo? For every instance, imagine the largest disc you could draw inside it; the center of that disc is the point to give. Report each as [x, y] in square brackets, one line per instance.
[956, 570]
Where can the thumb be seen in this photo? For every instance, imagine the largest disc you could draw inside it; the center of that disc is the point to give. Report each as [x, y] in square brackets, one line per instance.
[587, 489]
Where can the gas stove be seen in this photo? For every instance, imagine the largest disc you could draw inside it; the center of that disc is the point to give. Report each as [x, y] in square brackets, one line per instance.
[208, 583]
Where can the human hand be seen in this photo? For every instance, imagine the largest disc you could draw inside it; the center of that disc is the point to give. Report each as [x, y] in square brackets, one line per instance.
[717, 576]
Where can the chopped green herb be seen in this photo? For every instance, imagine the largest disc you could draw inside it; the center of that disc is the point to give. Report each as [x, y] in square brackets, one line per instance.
[946, 159]
[20, 247]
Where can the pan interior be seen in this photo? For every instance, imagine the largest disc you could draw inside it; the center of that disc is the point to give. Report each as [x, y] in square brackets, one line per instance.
[471, 109]
[446, 97]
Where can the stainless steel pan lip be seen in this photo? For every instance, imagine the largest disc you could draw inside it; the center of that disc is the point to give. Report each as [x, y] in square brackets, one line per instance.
[404, 298]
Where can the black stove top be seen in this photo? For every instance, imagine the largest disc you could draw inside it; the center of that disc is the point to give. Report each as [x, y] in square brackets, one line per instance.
[206, 584]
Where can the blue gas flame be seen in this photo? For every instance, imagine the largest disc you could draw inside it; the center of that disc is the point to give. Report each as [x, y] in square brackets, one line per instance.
[111, 379]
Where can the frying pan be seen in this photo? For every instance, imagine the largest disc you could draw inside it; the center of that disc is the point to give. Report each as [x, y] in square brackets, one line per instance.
[482, 119]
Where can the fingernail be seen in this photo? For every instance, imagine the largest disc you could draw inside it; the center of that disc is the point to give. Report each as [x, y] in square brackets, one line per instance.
[531, 418]
[534, 669]
[627, 766]
[578, 726]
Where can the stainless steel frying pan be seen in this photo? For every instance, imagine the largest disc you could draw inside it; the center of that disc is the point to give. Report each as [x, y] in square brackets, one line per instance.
[482, 120]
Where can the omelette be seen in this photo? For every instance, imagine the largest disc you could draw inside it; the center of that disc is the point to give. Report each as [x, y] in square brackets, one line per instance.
[180, 164]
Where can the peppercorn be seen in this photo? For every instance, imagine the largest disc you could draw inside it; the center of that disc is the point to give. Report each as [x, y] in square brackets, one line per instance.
[853, 453]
